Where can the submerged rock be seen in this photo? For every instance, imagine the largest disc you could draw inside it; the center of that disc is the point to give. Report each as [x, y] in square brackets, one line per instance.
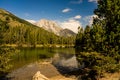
[39, 76]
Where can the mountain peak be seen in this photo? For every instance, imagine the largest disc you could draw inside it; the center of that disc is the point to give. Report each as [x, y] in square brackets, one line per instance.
[53, 27]
[49, 25]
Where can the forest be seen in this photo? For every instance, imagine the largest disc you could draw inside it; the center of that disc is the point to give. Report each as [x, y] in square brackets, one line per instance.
[98, 46]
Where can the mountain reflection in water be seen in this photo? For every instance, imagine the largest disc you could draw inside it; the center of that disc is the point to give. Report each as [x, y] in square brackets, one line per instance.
[65, 63]
[60, 57]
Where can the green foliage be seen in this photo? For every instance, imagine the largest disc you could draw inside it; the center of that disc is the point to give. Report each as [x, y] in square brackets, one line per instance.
[5, 52]
[99, 44]
[3, 27]
[5, 57]
[109, 12]
[97, 37]
[79, 37]
[96, 64]
[32, 36]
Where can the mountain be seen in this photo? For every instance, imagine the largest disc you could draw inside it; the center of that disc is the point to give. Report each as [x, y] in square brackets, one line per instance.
[53, 27]
[14, 30]
[48, 25]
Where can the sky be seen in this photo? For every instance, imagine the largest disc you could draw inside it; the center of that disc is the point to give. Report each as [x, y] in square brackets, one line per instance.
[67, 13]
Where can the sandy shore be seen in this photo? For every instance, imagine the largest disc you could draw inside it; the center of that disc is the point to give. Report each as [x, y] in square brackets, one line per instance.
[49, 71]
[46, 68]
[60, 77]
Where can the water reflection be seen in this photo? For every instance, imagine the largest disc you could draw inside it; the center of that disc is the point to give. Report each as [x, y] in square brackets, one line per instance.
[65, 63]
[58, 56]
[62, 59]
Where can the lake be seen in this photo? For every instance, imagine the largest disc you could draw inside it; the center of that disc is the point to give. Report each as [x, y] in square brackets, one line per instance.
[63, 59]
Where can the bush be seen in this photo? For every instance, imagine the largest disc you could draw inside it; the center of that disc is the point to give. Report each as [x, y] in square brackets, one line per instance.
[5, 57]
[97, 63]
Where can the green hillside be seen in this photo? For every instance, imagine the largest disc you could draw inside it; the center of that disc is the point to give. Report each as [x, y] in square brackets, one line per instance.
[18, 31]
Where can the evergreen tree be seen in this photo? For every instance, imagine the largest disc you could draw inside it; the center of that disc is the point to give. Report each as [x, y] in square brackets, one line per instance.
[109, 11]
[79, 37]
[87, 39]
[104, 39]
[5, 52]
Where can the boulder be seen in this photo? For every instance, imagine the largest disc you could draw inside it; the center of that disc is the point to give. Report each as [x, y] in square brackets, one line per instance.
[39, 76]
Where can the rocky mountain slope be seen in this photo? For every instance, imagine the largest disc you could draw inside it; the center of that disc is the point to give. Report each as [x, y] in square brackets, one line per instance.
[67, 32]
[52, 26]
[48, 25]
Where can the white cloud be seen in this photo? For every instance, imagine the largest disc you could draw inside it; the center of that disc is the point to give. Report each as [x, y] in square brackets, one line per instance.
[89, 19]
[76, 2]
[93, 1]
[31, 21]
[71, 24]
[77, 17]
[66, 10]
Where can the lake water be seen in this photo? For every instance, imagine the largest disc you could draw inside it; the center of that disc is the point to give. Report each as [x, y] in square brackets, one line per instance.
[59, 57]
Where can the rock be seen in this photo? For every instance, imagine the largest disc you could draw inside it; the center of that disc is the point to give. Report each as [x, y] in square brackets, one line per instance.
[39, 76]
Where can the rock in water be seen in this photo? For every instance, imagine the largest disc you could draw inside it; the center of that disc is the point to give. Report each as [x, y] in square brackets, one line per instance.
[39, 76]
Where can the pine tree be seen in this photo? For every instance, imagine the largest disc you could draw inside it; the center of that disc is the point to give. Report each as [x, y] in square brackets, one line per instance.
[109, 11]
[5, 52]
[104, 38]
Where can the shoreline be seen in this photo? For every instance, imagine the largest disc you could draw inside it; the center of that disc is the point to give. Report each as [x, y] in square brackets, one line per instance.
[40, 45]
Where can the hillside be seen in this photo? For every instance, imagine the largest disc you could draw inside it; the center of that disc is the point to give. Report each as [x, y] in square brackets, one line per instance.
[12, 20]
[19, 31]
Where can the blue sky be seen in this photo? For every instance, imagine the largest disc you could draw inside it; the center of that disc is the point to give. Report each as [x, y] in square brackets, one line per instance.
[67, 13]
